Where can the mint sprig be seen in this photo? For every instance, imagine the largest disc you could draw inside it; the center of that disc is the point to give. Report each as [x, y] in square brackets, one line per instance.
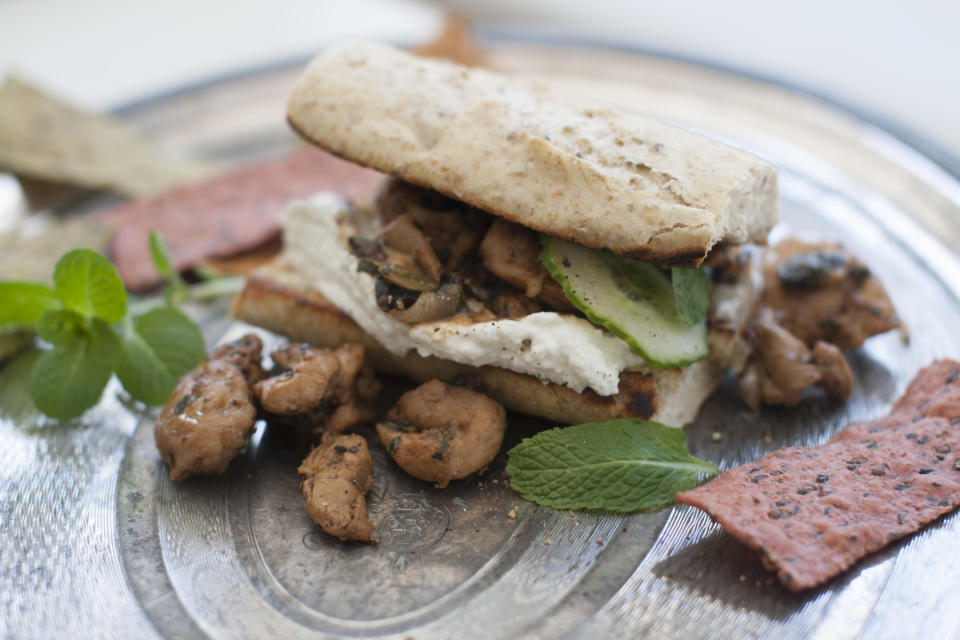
[176, 289]
[70, 378]
[24, 303]
[88, 283]
[86, 319]
[619, 465]
[691, 294]
[158, 348]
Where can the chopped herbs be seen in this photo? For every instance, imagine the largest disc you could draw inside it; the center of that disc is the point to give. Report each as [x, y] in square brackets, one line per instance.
[182, 404]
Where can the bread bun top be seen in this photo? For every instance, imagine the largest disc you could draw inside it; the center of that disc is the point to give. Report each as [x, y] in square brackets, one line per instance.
[603, 179]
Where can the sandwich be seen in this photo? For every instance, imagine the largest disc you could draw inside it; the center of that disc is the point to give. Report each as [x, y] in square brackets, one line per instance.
[556, 256]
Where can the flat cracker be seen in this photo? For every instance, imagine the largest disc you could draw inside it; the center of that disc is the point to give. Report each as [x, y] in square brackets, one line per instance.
[46, 139]
[228, 214]
[814, 512]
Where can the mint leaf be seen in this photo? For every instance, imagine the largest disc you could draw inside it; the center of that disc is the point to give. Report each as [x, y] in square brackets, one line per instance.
[69, 379]
[89, 284]
[25, 302]
[691, 294]
[158, 348]
[161, 257]
[12, 343]
[60, 326]
[620, 465]
[176, 287]
[16, 405]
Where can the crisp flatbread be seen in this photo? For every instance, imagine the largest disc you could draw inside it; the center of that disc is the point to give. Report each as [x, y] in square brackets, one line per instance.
[228, 214]
[30, 252]
[46, 139]
[814, 512]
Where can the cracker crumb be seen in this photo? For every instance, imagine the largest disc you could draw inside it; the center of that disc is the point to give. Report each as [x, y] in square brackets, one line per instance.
[716, 436]
[548, 542]
[512, 514]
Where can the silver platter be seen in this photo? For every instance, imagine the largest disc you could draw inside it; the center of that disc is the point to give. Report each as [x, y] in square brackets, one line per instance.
[96, 542]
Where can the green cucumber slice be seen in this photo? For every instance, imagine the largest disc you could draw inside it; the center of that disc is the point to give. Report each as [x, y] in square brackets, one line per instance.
[632, 299]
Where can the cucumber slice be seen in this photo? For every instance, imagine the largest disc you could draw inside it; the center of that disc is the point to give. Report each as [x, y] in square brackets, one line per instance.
[632, 299]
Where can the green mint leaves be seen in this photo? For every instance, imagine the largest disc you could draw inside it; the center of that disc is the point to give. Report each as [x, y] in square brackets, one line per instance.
[85, 317]
[70, 378]
[24, 303]
[89, 284]
[620, 465]
[691, 294]
[158, 348]
[176, 289]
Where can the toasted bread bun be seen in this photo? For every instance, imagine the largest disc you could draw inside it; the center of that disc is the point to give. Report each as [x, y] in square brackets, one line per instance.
[276, 299]
[596, 177]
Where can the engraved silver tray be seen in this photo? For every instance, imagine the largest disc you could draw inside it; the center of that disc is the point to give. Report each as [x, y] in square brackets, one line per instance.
[96, 542]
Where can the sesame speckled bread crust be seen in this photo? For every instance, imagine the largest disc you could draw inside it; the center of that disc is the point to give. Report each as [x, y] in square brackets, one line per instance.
[602, 179]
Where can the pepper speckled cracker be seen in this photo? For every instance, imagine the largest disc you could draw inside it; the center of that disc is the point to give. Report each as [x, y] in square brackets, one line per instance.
[45, 139]
[226, 215]
[814, 512]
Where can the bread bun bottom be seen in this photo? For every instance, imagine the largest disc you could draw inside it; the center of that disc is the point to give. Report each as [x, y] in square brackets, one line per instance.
[275, 299]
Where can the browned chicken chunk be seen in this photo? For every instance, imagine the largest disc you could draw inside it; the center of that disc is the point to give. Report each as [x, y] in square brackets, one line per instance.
[338, 472]
[454, 229]
[817, 299]
[823, 292]
[321, 383]
[782, 367]
[513, 305]
[403, 234]
[440, 433]
[211, 413]
[511, 252]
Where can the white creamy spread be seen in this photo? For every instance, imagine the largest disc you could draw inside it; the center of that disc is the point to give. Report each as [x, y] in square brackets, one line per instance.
[559, 348]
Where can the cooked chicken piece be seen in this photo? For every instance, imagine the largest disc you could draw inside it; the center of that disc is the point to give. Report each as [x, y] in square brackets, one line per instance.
[211, 413]
[339, 471]
[782, 367]
[786, 363]
[324, 389]
[727, 262]
[349, 415]
[350, 357]
[511, 252]
[367, 387]
[823, 292]
[310, 376]
[243, 352]
[454, 228]
[453, 235]
[513, 305]
[836, 378]
[403, 235]
[440, 433]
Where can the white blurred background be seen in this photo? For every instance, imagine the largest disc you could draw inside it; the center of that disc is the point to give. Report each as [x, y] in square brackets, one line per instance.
[889, 58]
